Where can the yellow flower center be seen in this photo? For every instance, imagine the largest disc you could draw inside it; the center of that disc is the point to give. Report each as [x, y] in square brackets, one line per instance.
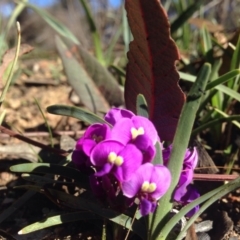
[115, 159]
[136, 132]
[148, 187]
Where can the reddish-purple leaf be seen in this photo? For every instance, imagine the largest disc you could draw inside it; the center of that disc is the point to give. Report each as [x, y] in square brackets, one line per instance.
[151, 68]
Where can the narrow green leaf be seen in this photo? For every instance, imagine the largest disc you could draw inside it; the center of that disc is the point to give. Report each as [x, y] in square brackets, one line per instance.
[81, 203]
[206, 41]
[235, 64]
[222, 88]
[75, 112]
[94, 31]
[228, 91]
[110, 50]
[224, 78]
[102, 78]
[213, 196]
[221, 191]
[127, 35]
[56, 220]
[158, 159]
[54, 23]
[185, 15]
[52, 169]
[180, 143]
[214, 123]
[80, 80]
[121, 72]
[236, 123]
[142, 108]
[39, 179]
[19, 202]
[46, 122]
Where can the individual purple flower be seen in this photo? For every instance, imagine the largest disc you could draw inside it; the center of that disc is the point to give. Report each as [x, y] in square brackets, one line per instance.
[111, 156]
[93, 135]
[189, 163]
[190, 195]
[138, 131]
[115, 114]
[149, 183]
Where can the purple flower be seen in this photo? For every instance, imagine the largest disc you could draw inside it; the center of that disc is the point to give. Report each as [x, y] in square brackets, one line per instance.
[189, 163]
[149, 183]
[92, 136]
[113, 156]
[115, 114]
[190, 195]
[138, 131]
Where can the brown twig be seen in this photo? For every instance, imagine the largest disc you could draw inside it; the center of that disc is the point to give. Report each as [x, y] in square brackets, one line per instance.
[214, 177]
[33, 142]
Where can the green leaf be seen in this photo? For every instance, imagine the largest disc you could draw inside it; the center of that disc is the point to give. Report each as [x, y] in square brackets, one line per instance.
[215, 195]
[142, 108]
[54, 23]
[52, 169]
[180, 143]
[185, 15]
[80, 80]
[94, 31]
[214, 123]
[56, 220]
[222, 88]
[235, 63]
[224, 78]
[75, 112]
[39, 179]
[236, 123]
[102, 78]
[158, 159]
[96, 208]
[207, 42]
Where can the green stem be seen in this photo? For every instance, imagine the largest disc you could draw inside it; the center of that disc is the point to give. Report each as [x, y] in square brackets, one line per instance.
[160, 218]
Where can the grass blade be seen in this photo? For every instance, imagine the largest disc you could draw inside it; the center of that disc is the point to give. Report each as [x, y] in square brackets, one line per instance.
[56, 220]
[54, 23]
[75, 112]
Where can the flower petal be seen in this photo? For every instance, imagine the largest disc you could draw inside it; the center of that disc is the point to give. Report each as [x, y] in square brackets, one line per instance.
[156, 174]
[146, 146]
[184, 180]
[115, 114]
[88, 145]
[161, 176]
[122, 131]
[191, 158]
[132, 159]
[105, 169]
[149, 129]
[98, 132]
[146, 207]
[100, 153]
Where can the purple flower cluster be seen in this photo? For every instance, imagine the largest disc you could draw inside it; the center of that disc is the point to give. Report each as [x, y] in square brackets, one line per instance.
[118, 158]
